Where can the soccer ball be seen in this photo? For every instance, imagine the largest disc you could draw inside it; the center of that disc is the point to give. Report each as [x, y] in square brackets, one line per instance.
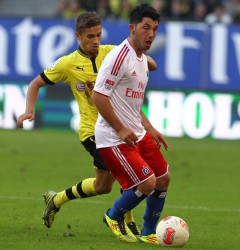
[172, 231]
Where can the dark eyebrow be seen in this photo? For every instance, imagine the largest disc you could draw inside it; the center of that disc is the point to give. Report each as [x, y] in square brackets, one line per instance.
[100, 33]
[148, 25]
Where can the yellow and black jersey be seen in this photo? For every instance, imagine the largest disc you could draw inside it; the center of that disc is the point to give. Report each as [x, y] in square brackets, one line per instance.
[80, 71]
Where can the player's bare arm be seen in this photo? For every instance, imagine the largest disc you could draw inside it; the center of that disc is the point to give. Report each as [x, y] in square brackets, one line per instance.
[157, 136]
[105, 108]
[31, 99]
[152, 65]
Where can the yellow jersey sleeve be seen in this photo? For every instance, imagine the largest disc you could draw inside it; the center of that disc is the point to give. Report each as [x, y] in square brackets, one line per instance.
[57, 72]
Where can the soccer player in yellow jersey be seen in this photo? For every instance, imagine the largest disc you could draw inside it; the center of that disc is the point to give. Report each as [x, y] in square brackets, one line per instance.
[79, 69]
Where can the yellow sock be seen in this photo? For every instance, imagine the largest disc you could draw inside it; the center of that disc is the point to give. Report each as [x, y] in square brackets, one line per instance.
[87, 188]
[60, 199]
[82, 190]
[129, 217]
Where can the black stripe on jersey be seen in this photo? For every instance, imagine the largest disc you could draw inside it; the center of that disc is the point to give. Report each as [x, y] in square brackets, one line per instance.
[46, 80]
[92, 59]
[94, 64]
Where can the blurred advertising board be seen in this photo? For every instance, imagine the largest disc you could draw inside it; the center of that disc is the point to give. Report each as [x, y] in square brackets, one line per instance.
[179, 113]
[195, 114]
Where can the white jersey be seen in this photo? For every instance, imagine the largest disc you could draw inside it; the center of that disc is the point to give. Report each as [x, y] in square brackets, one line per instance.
[123, 77]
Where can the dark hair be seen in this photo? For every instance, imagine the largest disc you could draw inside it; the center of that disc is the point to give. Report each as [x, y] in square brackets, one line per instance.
[87, 20]
[143, 10]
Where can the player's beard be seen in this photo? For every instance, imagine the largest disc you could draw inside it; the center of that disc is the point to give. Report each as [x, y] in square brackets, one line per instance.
[140, 44]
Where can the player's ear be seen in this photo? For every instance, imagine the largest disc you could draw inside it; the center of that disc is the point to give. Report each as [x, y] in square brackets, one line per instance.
[77, 35]
[132, 28]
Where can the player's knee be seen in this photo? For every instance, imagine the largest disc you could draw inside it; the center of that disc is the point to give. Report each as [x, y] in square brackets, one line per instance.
[147, 186]
[163, 182]
[104, 182]
[103, 189]
[167, 178]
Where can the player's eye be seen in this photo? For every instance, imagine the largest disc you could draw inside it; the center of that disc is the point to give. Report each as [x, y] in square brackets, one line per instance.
[146, 27]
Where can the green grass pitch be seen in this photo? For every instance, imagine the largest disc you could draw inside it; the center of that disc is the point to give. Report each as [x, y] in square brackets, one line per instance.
[204, 191]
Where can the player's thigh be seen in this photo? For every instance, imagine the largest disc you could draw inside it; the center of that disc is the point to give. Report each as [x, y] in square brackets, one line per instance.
[104, 178]
[90, 146]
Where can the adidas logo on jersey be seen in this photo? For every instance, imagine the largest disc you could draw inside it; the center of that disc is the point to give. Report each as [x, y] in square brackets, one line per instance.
[134, 73]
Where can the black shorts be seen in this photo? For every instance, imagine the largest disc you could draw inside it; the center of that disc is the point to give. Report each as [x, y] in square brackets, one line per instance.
[90, 146]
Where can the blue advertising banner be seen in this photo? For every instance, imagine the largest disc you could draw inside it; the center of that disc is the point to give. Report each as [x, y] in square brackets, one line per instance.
[189, 55]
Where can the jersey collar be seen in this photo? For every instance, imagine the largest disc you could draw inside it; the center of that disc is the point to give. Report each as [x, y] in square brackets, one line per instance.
[83, 53]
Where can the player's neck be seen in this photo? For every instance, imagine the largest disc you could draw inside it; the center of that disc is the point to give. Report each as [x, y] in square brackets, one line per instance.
[82, 51]
[138, 51]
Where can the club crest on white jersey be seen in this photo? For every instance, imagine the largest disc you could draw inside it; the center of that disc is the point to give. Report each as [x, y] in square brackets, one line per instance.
[109, 84]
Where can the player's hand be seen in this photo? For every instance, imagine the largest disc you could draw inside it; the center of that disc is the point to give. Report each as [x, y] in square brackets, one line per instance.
[23, 117]
[128, 136]
[158, 138]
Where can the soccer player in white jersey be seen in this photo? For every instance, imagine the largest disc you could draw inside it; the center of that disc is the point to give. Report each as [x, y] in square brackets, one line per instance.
[125, 138]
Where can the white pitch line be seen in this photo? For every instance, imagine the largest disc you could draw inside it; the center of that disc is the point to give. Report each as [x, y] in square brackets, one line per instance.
[90, 201]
